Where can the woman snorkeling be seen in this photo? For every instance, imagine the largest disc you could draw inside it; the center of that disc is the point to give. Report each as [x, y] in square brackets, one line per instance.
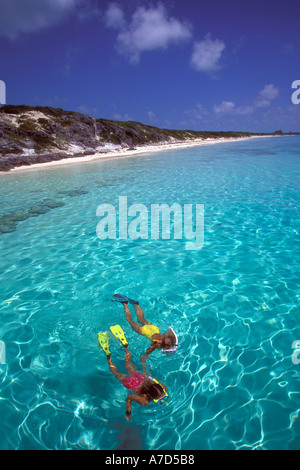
[145, 388]
[166, 342]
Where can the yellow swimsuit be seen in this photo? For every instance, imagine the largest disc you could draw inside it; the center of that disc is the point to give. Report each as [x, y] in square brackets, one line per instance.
[149, 331]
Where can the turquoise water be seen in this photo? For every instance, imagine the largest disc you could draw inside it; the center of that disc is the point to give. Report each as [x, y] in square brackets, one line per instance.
[234, 304]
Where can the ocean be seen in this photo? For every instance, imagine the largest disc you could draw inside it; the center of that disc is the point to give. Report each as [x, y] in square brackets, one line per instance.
[234, 302]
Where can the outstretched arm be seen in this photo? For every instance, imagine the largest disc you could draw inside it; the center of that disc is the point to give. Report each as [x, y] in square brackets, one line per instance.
[141, 400]
[148, 351]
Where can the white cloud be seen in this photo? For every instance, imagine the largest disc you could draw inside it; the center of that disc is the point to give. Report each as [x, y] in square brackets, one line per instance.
[149, 29]
[228, 107]
[224, 107]
[266, 96]
[152, 116]
[114, 16]
[199, 112]
[264, 99]
[19, 16]
[287, 49]
[122, 117]
[207, 54]
[228, 114]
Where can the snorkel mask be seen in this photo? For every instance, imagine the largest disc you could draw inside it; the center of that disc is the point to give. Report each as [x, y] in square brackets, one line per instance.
[164, 399]
[172, 350]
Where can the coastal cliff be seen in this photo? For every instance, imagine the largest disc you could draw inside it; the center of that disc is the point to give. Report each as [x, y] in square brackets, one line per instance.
[39, 134]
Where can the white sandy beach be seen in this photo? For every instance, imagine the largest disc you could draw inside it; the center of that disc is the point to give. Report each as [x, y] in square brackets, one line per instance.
[127, 152]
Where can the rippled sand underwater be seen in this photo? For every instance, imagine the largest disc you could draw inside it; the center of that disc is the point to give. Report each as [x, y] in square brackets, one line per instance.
[233, 383]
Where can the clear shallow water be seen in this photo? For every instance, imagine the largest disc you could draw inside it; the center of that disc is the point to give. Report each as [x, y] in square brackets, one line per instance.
[234, 303]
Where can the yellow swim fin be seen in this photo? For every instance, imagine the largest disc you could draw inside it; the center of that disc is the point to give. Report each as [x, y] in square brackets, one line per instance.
[118, 332]
[103, 340]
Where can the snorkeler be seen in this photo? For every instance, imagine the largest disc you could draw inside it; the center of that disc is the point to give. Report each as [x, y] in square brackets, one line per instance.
[145, 388]
[166, 342]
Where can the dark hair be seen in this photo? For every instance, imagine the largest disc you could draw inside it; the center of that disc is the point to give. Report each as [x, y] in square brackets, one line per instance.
[164, 345]
[152, 390]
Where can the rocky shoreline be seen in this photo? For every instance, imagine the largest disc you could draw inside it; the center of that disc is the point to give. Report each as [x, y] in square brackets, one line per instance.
[31, 135]
[9, 162]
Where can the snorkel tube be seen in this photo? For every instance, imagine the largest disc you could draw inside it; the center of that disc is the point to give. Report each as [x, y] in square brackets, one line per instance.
[172, 350]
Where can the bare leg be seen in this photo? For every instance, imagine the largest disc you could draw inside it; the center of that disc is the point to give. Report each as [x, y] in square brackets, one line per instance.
[130, 368]
[128, 361]
[135, 326]
[140, 315]
[113, 369]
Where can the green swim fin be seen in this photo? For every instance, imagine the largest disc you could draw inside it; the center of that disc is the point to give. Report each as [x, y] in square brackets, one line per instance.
[118, 332]
[103, 340]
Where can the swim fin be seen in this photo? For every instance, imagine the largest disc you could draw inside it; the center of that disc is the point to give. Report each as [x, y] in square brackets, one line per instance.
[103, 340]
[123, 298]
[118, 332]
[120, 298]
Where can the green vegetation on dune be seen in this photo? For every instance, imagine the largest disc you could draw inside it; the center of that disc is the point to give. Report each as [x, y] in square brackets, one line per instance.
[32, 134]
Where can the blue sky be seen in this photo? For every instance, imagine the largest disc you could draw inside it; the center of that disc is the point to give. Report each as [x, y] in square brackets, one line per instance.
[193, 64]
